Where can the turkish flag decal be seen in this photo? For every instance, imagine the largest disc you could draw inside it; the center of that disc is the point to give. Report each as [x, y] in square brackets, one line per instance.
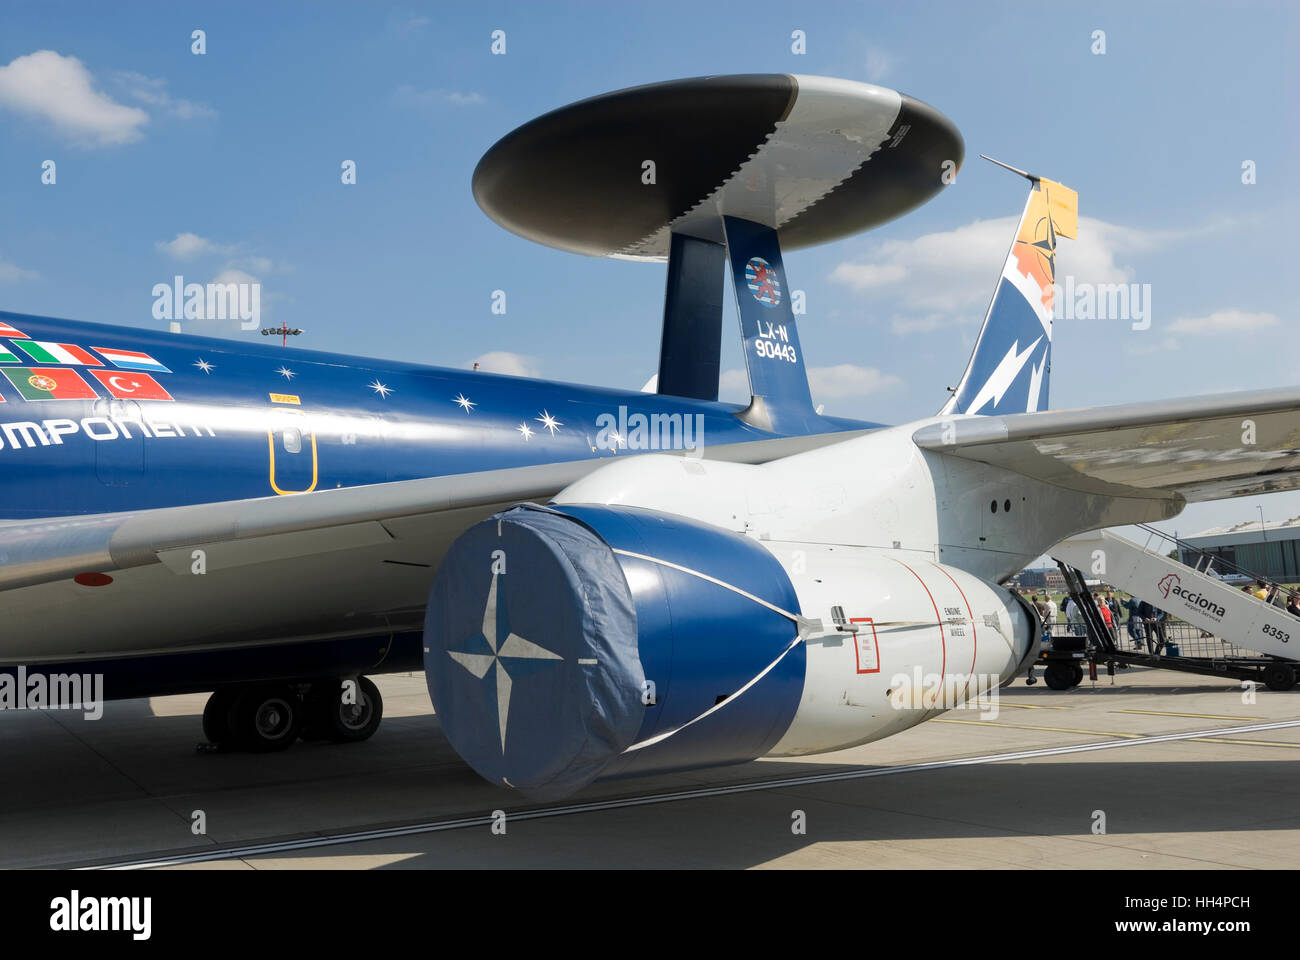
[129, 385]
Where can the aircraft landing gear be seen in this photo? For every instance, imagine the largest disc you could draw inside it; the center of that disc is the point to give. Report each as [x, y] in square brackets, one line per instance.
[346, 711]
[265, 718]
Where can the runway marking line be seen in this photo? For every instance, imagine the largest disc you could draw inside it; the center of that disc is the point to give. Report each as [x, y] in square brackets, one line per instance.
[1108, 733]
[1194, 716]
[1029, 706]
[539, 813]
[1027, 726]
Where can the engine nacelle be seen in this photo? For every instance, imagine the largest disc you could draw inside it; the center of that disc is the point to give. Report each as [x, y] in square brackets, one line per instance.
[566, 644]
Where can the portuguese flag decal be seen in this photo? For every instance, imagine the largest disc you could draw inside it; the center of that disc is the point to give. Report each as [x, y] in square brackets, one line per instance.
[49, 383]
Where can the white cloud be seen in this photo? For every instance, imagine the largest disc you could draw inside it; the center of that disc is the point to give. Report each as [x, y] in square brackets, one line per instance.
[61, 90]
[256, 264]
[949, 277]
[879, 63]
[733, 386]
[188, 246]
[1145, 347]
[1223, 321]
[153, 91]
[826, 383]
[12, 273]
[501, 361]
[848, 380]
[234, 276]
[408, 96]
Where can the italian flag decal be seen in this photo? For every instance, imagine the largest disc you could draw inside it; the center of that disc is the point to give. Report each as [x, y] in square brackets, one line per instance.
[49, 383]
[7, 357]
[57, 353]
[8, 331]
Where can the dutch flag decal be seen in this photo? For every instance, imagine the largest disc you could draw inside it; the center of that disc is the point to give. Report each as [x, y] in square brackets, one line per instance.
[131, 360]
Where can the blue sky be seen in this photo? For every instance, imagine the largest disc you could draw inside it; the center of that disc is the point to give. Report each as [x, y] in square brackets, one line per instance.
[241, 148]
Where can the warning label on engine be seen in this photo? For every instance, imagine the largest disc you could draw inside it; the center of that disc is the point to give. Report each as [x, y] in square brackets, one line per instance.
[867, 647]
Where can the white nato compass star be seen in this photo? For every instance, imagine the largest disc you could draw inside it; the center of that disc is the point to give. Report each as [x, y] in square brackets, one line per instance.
[286, 373]
[204, 365]
[513, 647]
[525, 431]
[548, 421]
[464, 402]
[382, 389]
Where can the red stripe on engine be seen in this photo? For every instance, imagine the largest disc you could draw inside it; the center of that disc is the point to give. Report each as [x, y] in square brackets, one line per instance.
[942, 639]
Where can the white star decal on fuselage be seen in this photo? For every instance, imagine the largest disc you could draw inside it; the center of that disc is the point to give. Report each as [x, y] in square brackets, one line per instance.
[548, 421]
[205, 366]
[525, 430]
[464, 402]
[380, 388]
[514, 646]
[286, 373]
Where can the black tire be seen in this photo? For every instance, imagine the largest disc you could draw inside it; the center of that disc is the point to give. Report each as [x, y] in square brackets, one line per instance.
[266, 719]
[352, 722]
[1076, 672]
[216, 717]
[1279, 677]
[1059, 676]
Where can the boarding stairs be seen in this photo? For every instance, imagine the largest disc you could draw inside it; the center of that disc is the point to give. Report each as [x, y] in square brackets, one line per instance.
[1214, 627]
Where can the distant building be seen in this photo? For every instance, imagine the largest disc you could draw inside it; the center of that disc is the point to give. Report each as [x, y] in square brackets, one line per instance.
[1270, 550]
[1045, 578]
[1030, 579]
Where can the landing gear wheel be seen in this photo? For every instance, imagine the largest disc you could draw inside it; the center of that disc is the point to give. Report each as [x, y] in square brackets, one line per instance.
[1077, 673]
[1059, 676]
[216, 718]
[1280, 676]
[266, 719]
[331, 718]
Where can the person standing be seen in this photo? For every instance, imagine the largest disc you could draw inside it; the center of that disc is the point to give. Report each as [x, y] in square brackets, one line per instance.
[1156, 630]
[1114, 617]
[1136, 630]
[1074, 617]
[1106, 617]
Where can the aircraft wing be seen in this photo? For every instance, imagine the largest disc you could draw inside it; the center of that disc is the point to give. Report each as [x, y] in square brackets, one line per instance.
[345, 562]
[1194, 448]
[268, 529]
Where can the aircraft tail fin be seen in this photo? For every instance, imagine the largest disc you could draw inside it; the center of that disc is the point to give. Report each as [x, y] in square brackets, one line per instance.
[1010, 366]
[778, 379]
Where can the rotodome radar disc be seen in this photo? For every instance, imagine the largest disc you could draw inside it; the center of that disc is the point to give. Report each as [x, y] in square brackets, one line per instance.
[816, 158]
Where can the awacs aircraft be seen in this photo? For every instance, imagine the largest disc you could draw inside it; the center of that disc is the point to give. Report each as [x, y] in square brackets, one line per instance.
[596, 582]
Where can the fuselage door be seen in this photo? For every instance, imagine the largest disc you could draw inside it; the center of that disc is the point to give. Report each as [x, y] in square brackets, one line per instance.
[291, 450]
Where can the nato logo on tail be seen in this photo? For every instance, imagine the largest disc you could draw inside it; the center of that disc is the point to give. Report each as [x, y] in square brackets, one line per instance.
[1010, 366]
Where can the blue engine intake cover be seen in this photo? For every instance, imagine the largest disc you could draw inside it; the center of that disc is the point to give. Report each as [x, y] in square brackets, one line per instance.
[548, 654]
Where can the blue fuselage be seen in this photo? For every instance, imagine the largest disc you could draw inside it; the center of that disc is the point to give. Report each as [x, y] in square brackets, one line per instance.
[97, 419]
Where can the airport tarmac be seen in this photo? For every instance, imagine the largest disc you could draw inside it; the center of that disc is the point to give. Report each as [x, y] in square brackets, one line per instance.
[1219, 791]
